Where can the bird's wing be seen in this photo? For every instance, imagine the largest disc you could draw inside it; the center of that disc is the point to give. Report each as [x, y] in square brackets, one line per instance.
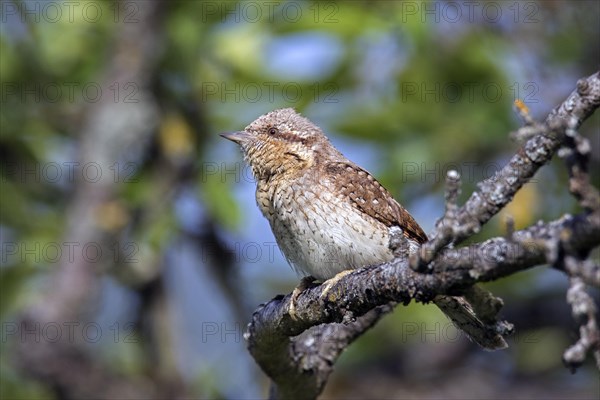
[370, 197]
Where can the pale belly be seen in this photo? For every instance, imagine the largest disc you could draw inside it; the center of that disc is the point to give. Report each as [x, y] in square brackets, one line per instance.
[321, 235]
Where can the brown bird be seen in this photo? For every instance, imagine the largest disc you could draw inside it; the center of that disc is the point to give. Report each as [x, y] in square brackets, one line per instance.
[330, 216]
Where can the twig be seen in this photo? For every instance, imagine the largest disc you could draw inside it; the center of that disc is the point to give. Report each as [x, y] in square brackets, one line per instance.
[576, 154]
[586, 270]
[530, 127]
[584, 311]
[446, 227]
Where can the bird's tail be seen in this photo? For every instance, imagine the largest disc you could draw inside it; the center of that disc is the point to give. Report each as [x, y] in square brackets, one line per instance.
[482, 328]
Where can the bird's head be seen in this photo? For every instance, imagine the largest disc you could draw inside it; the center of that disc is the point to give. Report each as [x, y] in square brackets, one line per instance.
[280, 142]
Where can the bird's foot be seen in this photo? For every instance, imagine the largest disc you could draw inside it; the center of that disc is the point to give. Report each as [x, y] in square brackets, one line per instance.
[304, 284]
[329, 283]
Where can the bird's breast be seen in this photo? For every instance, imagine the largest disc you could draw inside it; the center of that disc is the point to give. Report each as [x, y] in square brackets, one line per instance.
[321, 233]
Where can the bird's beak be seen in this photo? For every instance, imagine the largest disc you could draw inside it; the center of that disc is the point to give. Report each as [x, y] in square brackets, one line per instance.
[237, 137]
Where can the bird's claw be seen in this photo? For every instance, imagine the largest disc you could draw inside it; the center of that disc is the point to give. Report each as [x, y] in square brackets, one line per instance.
[305, 283]
[329, 283]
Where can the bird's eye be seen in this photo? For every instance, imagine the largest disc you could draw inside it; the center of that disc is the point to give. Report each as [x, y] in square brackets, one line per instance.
[273, 131]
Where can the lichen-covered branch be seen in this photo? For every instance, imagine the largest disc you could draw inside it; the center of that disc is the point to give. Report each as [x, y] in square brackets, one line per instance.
[271, 331]
[497, 191]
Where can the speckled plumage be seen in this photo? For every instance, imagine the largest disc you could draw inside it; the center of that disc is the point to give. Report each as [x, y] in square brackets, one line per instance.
[327, 214]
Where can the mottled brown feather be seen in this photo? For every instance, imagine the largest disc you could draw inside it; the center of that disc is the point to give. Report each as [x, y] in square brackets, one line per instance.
[370, 197]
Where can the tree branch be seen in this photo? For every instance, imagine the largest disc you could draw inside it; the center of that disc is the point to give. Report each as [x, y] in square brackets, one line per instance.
[497, 191]
[299, 357]
[271, 330]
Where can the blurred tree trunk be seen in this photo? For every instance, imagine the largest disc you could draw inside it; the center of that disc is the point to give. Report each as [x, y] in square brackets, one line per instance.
[113, 130]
